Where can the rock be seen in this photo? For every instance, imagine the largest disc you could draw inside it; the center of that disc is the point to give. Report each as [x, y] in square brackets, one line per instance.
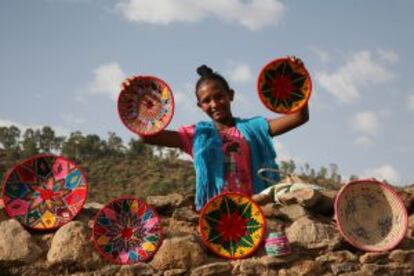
[325, 204]
[173, 227]
[72, 244]
[262, 199]
[219, 268]
[16, 244]
[179, 252]
[390, 269]
[339, 268]
[401, 256]
[186, 214]
[274, 262]
[175, 272]
[306, 197]
[285, 213]
[142, 269]
[411, 226]
[3, 214]
[338, 256]
[165, 205]
[312, 234]
[88, 212]
[374, 257]
[292, 212]
[252, 266]
[303, 268]
[270, 210]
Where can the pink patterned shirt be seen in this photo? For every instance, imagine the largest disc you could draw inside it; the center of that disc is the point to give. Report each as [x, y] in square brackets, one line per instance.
[237, 171]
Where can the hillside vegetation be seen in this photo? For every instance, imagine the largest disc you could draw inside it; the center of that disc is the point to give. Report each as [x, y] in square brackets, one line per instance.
[113, 169]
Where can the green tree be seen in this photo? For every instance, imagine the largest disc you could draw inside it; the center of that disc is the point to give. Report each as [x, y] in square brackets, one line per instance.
[29, 145]
[115, 144]
[92, 146]
[9, 137]
[138, 148]
[287, 167]
[323, 173]
[72, 147]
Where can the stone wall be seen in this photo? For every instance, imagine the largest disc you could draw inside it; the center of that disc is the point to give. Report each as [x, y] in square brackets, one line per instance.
[306, 216]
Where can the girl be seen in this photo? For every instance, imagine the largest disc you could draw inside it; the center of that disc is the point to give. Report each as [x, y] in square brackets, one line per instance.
[227, 151]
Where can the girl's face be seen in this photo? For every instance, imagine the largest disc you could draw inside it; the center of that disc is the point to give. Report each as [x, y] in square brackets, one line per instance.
[215, 100]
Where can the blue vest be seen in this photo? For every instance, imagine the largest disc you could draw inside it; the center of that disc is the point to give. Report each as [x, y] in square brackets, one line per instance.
[209, 156]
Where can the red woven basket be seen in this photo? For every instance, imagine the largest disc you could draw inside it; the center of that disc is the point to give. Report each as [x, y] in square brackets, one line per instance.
[146, 106]
[44, 192]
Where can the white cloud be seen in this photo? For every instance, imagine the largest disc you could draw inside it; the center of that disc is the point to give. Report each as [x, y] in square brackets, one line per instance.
[388, 55]
[240, 73]
[252, 14]
[363, 141]
[186, 100]
[384, 172]
[107, 81]
[361, 71]
[410, 101]
[323, 55]
[367, 122]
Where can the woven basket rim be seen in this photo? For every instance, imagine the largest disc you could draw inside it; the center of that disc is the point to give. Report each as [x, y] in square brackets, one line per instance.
[106, 256]
[388, 189]
[262, 71]
[34, 157]
[156, 79]
[202, 213]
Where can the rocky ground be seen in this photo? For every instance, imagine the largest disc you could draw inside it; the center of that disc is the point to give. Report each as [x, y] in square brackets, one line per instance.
[306, 215]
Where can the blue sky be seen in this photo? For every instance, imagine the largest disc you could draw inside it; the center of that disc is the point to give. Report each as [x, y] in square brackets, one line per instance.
[62, 61]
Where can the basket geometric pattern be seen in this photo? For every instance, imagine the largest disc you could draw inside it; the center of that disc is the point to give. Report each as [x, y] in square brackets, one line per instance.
[284, 86]
[126, 231]
[44, 192]
[232, 225]
[146, 106]
[370, 215]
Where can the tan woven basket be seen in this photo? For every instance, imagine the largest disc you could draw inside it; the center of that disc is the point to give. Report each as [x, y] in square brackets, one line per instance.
[370, 215]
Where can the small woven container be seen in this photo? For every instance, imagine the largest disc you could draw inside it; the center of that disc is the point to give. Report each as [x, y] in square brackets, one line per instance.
[370, 215]
[277, 244]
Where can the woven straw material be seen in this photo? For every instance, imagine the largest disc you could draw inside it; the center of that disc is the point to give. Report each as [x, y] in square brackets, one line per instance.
[370, 215]
[232, 225]
[284, 86]
[44, 191]
[146, 106]
[277, 244]
[127, 231]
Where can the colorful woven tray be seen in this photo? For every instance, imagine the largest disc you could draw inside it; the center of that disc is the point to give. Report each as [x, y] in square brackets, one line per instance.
[126, 231]
[370, 215]
[232, 225]
[284, 86]
[44, 192]
[146, 106]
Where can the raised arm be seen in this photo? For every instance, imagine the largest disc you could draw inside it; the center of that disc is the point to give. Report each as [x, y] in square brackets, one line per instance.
[165, 138]
[288, 122]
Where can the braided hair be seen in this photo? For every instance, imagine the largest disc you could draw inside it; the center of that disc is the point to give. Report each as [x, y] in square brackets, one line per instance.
[207, 74]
